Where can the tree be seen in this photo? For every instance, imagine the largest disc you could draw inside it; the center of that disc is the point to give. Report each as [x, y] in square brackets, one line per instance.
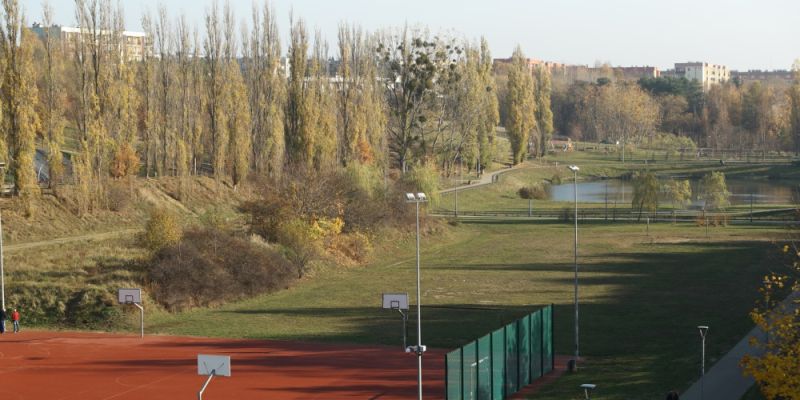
[52, 99]
[645, 192]
[544, 114]
[361, 117]
[215, 71]
[411, 65]
[267, 92]
[489, 109]
[20, 121]
[298, 126]
[678, 192]
[521, 106]
[794, 111]
[715, 191]
[778, 314]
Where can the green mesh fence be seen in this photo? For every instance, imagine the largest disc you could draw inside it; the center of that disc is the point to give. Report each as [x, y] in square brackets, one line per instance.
[501, 363]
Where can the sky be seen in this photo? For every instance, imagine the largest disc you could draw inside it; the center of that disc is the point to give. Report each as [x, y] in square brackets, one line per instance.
[742, 34]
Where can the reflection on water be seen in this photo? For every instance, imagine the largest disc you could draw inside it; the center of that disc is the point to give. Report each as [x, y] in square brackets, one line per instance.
[621, 192]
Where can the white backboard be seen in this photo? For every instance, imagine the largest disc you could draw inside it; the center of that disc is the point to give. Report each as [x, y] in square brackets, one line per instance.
[395, 301]
[127, 296]
[221, 365]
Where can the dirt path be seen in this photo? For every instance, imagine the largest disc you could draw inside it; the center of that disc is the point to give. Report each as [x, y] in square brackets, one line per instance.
[69, 239]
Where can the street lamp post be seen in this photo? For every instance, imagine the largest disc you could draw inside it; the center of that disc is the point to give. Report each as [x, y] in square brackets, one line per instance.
[575, 169]
[419, 348]
[703, 331]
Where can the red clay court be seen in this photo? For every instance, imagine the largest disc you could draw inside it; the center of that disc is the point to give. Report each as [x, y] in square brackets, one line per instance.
[93, 366]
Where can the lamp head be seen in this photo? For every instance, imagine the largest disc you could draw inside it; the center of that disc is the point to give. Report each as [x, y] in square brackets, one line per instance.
[410, 197]
[703, 330]
[574, 168]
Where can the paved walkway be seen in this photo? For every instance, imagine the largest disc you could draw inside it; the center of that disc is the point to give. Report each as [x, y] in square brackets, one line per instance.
[725, 380]
[489, 177]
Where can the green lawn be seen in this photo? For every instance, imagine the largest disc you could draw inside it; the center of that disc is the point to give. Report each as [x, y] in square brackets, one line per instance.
[641, 297]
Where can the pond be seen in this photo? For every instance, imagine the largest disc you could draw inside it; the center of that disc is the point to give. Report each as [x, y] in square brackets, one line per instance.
[742, 190]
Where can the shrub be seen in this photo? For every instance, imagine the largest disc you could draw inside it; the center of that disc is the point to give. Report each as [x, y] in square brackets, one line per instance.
[422, 178]
[210, 267]
[162, 230]
[91, 308]
[355, 246]
[125, 161]
[533, 192]
[301, 242]
[556, 179]
[119, 197]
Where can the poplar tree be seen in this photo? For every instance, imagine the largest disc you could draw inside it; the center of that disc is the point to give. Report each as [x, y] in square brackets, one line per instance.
[544, 114]
[320, 108]
[794, 111]
[214, 89]
[267, 92]
[521, 106]
[299, 139]
[52, 99]
[489, 110]
[20, 122]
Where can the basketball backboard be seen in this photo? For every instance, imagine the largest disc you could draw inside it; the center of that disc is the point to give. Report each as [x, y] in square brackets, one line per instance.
[395, 301]
[130, 296]
[220, 365]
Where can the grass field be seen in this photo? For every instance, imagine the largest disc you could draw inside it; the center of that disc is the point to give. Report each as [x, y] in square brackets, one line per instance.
[641, 297]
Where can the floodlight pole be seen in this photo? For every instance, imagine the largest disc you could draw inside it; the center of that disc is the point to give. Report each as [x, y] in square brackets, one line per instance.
[203, 389]
[577, 320]
[419, 315]
[141, 313]
[703, 331]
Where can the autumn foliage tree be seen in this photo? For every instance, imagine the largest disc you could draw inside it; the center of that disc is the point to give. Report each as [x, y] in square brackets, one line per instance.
[521, 106]
[778, 314]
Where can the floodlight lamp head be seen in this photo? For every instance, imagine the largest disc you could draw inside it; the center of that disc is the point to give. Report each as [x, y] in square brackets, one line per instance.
[410, 197]
[589, 386]
[574, 168]
[422, 197]
[703, 330]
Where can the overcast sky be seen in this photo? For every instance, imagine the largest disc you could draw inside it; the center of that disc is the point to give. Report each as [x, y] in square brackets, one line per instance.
[743, 34]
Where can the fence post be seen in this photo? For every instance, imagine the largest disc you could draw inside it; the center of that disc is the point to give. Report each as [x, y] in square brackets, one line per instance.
[477, 370]
[491, 366]
[446, 370]
[461, 357]
[552, 349]
[530, 348]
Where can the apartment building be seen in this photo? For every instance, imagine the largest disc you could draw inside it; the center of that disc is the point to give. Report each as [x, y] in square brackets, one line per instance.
[706, 73]
[133, 47]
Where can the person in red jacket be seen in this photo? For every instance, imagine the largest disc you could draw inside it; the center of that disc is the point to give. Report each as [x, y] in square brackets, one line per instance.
[15, 320]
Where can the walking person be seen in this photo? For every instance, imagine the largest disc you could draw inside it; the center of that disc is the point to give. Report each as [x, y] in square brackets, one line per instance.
[15, 320]
[2, 320]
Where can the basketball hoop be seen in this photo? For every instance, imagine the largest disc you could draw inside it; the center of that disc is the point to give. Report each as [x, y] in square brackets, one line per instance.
[130, 296]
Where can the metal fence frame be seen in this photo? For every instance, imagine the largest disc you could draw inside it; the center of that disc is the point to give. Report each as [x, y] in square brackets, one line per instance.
[515, 366]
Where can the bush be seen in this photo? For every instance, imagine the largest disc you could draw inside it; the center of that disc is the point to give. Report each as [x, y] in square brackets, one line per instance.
[162, 230]
[119, 197]
[533, 192]
[210, 267]
[354, 246]
[92, 308]
[556, 179]
[425, 179]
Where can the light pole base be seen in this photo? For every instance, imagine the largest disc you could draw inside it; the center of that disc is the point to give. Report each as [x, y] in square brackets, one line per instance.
[572, 365]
